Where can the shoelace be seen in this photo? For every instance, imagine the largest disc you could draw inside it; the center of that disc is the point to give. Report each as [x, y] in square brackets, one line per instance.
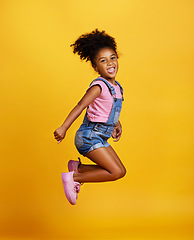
[77, 187]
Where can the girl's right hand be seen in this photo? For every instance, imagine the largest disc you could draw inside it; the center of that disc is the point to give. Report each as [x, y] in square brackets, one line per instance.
[89, 97]
[59, 134]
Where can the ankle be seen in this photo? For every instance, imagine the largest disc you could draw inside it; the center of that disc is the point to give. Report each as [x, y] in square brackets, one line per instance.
[80, 168]
[75, 176]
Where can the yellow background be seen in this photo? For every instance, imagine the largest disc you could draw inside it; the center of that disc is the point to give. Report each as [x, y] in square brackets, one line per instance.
[42, 80]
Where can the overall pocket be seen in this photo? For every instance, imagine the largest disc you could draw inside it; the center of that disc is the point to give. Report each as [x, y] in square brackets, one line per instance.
[103, 131]
[79, 139]
[117, 114]
[100, 128]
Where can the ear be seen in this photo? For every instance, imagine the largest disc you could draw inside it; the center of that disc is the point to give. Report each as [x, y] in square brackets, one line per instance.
[95, 68]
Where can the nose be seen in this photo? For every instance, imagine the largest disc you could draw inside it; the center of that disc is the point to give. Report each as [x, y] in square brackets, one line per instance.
[109, 63]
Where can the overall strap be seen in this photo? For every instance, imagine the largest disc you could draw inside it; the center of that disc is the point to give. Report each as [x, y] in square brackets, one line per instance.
[120, 87]
[111, 89]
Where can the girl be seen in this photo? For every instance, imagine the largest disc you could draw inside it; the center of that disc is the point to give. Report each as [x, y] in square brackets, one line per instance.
[103, 101]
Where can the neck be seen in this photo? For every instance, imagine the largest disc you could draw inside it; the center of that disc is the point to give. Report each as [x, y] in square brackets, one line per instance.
[110, 80]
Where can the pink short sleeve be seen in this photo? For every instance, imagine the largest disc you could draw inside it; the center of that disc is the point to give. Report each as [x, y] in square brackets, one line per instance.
[100, 109]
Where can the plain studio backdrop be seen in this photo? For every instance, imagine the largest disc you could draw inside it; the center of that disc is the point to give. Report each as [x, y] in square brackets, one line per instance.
[41, 80]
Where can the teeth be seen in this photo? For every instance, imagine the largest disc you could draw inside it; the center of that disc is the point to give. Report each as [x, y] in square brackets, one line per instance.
[111, 70]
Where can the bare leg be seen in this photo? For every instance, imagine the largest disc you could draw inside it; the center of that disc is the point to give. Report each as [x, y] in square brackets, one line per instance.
[108, 168]
[85, 168]
[116, 157]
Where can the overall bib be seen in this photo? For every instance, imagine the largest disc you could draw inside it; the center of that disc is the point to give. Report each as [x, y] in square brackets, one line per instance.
[93, 135]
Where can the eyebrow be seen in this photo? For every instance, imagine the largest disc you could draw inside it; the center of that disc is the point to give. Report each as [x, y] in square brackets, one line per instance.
[105, 57]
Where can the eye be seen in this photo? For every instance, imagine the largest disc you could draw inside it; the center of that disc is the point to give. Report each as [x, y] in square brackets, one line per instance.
[103, 60]
[113, 57]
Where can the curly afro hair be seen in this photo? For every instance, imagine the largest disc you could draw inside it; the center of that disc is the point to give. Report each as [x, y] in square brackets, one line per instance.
[88, 45]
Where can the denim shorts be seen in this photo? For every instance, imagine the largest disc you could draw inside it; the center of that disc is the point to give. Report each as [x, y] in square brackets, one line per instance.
[92, 136]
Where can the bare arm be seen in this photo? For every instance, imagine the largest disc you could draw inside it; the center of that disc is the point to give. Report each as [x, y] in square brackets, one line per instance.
[88, 98]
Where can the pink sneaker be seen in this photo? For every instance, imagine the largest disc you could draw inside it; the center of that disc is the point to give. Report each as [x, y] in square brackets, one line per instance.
[73, 165]
[71, 188]
[77, 188]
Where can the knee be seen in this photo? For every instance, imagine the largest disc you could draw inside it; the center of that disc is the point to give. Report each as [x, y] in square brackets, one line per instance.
[119, 173]
[123, 172]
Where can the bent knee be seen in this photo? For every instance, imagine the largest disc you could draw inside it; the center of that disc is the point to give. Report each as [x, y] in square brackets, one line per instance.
[119, 173]
[123, 172]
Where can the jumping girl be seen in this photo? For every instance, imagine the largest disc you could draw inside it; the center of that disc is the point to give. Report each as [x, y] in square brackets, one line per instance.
[103, 101]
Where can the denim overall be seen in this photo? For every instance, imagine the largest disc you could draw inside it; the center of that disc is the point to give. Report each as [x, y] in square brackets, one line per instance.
[93, 135]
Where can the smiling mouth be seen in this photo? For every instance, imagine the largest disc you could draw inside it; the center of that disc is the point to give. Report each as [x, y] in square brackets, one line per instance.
[111, 70]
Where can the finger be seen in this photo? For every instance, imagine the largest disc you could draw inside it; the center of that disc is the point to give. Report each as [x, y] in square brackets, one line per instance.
[113, 135]
[119, 134]
[56, 134]
[117, 139]
[119, 131]
[58, 138]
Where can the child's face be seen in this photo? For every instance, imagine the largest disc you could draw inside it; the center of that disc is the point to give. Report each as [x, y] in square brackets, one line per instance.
[106, 64]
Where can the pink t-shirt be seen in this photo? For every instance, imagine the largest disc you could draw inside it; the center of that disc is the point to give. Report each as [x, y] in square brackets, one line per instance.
[99, 110]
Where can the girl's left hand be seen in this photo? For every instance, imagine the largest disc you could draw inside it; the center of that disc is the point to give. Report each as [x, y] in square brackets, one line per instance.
[116, 134]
